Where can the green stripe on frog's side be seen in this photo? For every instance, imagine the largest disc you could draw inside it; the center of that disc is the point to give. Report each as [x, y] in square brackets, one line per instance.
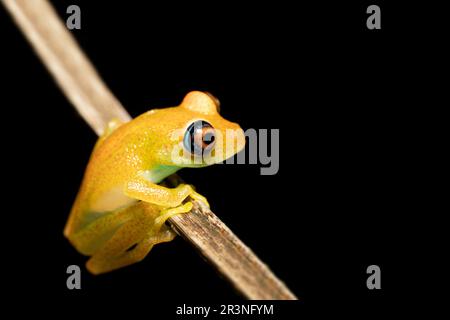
[159, 173]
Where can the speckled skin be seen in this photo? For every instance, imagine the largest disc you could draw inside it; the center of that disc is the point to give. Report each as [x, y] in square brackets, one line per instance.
[120, 210]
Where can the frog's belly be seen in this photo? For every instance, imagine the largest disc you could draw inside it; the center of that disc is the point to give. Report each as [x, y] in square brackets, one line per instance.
[112, 200]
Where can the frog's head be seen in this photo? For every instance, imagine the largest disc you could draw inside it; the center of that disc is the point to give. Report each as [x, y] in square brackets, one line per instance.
[195, 134]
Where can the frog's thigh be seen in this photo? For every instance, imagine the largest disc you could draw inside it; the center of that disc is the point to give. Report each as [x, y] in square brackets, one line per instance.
[89, 239]
[132, 242]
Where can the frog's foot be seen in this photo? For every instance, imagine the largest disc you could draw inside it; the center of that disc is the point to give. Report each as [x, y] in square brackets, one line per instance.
[197, 196]
[167, 213]
[176, 181]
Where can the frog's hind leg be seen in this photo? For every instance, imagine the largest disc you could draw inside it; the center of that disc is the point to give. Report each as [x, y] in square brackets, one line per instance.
[133, 241]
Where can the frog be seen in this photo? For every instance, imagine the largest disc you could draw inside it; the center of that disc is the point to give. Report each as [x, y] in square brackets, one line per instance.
[123, 203]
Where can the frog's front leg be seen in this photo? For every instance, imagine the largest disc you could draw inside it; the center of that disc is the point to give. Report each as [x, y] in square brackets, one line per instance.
[142, 189]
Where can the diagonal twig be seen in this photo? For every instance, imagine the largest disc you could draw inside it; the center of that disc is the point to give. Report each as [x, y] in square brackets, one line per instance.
[79, 81]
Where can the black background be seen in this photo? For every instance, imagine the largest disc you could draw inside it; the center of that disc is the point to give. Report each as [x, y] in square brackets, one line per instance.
[334, 89]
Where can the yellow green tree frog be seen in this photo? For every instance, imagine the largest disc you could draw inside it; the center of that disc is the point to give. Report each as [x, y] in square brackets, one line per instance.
[120, 211]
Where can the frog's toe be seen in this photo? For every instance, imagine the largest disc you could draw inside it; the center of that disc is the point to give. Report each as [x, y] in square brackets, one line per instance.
[197, 196]
[167, 213]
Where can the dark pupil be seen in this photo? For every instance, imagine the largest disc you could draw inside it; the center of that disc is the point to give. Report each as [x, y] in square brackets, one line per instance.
[208, 138]
[196, 129]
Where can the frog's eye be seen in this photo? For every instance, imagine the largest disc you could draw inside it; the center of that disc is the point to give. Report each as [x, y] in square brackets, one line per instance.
[199, 137]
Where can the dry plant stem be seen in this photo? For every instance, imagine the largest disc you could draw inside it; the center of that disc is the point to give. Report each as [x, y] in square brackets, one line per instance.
[67, 63]
[79, 81]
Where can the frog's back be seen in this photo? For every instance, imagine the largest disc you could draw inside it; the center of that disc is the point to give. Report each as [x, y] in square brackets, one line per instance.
[119, 154]
[101, 190]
